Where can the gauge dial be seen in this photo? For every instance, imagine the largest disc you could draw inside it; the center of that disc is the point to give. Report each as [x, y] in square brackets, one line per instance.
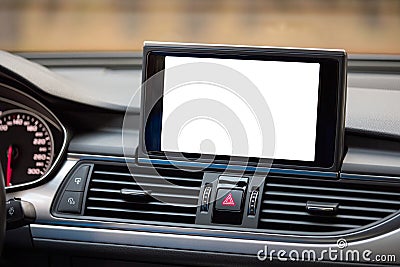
[26, 147]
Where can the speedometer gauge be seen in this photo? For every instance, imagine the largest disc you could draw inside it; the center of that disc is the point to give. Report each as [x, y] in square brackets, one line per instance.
[26, 146]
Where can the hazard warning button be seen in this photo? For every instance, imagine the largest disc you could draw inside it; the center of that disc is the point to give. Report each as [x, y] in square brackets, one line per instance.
[229, 199]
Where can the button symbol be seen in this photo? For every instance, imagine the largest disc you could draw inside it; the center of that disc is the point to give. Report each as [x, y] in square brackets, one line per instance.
[78, 180]
[229, 201]
[11, 211]
[71, 201]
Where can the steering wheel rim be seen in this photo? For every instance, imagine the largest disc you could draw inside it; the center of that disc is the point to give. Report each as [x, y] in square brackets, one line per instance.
[2, 209]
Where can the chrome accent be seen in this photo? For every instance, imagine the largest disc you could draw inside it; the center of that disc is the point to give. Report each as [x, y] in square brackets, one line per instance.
[382, 245]
[367, 177]
[321, 207]
[135, 193]
[77, 156]
[238, 46]
[147, 239]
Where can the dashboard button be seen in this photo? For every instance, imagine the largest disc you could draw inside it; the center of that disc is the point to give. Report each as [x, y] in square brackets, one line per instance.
[252, 209]
[71, 202]
[229, 199]
[14, 211]
[205, 201]
[77, 181]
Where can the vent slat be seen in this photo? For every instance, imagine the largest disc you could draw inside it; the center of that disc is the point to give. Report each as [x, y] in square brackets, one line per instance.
[283, 208]
[369, 209]
[144, 176]
[155, 203]
[172, 199]
[332, 198]
[163, 185]
[342, 207]
[313, 224]
[143, 211]
[153, 194]
[333, 190]
[114, 174]
[305, 214]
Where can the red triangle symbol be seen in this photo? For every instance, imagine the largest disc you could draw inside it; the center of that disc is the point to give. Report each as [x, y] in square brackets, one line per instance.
[229, 201]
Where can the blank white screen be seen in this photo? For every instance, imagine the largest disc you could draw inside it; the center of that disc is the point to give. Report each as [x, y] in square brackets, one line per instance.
[290, 89]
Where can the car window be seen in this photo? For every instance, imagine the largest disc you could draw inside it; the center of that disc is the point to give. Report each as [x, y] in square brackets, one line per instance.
[358, 26]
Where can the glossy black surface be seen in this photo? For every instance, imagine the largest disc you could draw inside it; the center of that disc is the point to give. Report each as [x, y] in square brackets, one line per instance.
[331, 103]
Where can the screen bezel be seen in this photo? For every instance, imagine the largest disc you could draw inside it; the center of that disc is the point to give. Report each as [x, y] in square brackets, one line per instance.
[331, 96]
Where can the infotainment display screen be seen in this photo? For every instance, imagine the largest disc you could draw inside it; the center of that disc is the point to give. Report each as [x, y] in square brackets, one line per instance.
[213, 100]
[293, 103]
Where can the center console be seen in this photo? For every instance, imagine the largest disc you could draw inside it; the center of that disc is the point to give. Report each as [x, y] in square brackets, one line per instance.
[238, 113]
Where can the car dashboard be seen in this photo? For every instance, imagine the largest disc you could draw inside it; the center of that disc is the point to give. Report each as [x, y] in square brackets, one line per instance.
[89, 210]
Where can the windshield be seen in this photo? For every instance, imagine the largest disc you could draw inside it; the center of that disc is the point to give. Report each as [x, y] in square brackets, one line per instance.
[359, 26]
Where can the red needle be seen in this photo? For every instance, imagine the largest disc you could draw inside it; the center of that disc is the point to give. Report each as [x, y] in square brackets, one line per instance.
[9, 169]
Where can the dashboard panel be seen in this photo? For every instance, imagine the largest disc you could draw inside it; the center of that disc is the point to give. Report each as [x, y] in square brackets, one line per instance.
[113, 220]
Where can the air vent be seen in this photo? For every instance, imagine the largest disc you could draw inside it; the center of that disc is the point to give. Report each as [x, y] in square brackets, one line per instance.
[166, 196]
[284, 203]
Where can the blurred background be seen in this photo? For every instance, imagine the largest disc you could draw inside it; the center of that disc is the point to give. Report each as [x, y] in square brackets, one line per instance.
[359, 26]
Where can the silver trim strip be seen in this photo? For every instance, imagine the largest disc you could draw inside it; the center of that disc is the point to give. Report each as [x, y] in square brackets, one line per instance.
[148, 239]
[212, 244]
[376, 178]
[77, 156]
[238, 46]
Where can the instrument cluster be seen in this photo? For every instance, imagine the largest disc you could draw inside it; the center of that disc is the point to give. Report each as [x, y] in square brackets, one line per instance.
[32, 139]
